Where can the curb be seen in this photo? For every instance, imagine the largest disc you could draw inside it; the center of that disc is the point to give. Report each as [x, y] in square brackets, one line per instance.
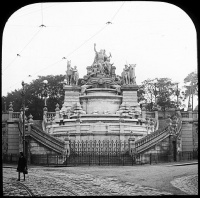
[184, 164]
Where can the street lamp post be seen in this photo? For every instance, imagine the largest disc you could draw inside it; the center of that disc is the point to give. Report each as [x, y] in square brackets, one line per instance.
[45, 94]
[177, 94]
[23, 104]
[192, 95]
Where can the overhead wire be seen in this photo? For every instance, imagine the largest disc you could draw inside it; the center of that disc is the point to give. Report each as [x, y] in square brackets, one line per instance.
[42, 12]
[29, 40]
[22, 50]
[117, 12]
[39, 10]
[79, 45]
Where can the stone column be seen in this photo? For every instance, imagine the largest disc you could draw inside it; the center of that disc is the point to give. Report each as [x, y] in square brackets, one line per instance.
[67, 147]
[190, 112]
[121, 129]
[144, 113]
[129, 93]
[156, 114]
[131, 146]
[57, 110]
[72, 94]
[10, 111]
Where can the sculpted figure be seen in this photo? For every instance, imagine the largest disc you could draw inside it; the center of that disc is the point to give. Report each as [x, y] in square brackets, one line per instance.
[69, 73]
[99, 57]
[108, 66]
[75, 75]
[132, 76]
[127, 74]
[84, 87]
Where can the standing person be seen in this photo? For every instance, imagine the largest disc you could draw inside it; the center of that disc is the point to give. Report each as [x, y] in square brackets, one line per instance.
[22, 165]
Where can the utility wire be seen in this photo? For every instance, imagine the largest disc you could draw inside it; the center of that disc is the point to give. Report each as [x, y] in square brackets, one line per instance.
[87, 40]
[42, 13]
[77, 47]
[98, 31]
[22, 50]
[31, 75]
[39, 10]
[117, 12]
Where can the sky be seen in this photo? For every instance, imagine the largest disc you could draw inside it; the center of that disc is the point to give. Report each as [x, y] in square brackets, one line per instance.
[160, 38]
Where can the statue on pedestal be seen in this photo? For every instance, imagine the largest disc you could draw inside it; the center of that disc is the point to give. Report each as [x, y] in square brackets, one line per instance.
[72, 74]
[69, 72]
[128, 75]
[101, 64]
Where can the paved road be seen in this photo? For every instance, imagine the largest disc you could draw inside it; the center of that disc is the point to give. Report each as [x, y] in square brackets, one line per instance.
[101, 180]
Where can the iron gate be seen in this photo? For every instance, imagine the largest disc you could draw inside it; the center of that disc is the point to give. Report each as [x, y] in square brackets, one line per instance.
[95, 152]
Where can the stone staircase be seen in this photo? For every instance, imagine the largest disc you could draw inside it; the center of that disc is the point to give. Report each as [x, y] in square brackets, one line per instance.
[45, 139]
[152, 139]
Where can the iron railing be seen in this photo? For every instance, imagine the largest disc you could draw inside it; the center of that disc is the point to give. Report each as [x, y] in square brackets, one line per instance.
[93, 159]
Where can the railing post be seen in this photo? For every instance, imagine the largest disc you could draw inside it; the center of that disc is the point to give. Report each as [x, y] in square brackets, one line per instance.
[10, 111]
[57, 110]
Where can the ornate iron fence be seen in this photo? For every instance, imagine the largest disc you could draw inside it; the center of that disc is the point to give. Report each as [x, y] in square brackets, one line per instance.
[92, 159]
[99, 153]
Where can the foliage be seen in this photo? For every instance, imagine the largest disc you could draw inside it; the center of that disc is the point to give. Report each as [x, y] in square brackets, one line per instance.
[34, 96]
[191, 85]
[160, 90]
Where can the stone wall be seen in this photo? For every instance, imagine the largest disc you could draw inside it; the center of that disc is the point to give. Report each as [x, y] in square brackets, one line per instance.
[13, 138]
[187, 136]
[37, 148]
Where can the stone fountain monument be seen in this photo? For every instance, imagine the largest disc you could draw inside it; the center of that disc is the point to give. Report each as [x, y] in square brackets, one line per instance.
[103, 107]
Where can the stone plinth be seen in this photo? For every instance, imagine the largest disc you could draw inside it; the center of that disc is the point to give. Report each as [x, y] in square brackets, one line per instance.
[129, 93]
[71, 96]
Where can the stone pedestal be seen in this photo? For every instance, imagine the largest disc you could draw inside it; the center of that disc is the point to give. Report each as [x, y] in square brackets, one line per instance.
[71, 96]
[129, 93]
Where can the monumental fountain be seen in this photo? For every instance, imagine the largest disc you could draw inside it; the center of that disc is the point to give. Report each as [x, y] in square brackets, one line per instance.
[103, 107]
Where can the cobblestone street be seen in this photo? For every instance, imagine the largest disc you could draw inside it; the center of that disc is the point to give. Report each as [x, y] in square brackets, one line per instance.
[88, 181]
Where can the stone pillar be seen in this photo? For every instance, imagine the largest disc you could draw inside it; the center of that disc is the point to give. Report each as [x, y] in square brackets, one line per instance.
[131, 146]
[10, 111]
[121, 128]
[156, 114]
[129, 93]
[190, 113]
[72, 94]
[30, 122]
[178, 113]
[67, 147]
[57, 110]
[144, 113]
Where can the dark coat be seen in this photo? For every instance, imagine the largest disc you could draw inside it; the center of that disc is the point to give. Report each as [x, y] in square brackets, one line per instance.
[22, 164]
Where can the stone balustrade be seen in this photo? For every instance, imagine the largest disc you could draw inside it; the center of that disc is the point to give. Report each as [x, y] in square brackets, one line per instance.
[50, 114]
[185, 114]
[15, 114]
